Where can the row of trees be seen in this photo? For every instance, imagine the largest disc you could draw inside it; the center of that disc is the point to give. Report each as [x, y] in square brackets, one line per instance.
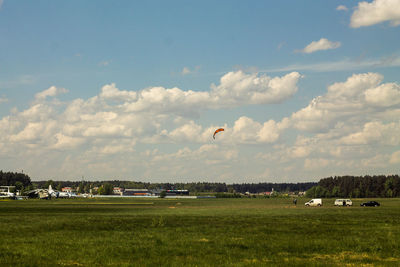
[339, 186]
[21, 181]
[266, 187]
[357, 187]
[10, 178]
[105, 187]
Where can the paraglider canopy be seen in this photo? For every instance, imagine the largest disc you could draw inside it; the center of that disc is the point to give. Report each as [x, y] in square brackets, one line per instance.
[217, 131]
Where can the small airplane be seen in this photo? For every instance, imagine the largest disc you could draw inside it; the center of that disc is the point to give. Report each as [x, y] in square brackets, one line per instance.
[8, 194]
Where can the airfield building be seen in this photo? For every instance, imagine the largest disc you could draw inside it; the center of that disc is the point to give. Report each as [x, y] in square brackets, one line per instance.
[136, 192]
[118, 191]
[67, 189]
[176, 192]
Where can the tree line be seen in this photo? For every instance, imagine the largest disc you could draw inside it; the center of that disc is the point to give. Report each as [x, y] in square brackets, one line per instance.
[357, 186]
[21, 181]
[267, 187]
[338, 186]
[193, 187]
[9, 178]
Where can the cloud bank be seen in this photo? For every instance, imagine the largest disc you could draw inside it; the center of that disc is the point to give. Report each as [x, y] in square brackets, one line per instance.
[158, 133]
[144, 116]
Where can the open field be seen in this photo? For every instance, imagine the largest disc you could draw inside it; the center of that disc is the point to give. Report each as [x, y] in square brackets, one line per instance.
[197, 232]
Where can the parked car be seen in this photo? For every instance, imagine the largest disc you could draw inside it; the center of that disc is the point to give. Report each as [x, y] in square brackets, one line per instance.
[370, 204]
[314, 202]
[343, 202]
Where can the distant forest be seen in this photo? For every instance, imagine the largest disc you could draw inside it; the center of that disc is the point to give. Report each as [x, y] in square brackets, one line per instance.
[195, 187]
[15, 179]
[357, 186]
[340, 186]
[9, 178]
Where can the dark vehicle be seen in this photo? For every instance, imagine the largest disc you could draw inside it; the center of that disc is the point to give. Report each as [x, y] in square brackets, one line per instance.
[370, 204]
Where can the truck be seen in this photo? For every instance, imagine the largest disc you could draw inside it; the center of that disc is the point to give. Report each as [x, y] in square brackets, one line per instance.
[314, 202]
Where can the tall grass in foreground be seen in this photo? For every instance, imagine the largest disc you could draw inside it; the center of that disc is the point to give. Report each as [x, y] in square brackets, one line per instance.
[200, 232]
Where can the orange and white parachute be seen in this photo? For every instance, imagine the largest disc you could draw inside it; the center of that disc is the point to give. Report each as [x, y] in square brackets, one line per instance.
[217, 131]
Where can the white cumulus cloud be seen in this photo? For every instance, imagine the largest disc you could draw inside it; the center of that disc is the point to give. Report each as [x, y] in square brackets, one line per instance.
[155, 133]
[246, 130]
[3, 100]
[395, 157]
[321, 44]
[110, 91]
[239, 87]
[67, 142]
[104, 63]
[52, 91]
[375, 132]
[185, 71]
[360, 96]
[235, 89]
[377, 11]
[152, 115]
[342, 8]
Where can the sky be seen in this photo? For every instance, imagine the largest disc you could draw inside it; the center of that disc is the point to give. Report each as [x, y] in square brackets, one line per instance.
[134, 90]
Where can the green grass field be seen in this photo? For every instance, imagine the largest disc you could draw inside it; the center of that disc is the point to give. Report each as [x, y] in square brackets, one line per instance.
[197, 232]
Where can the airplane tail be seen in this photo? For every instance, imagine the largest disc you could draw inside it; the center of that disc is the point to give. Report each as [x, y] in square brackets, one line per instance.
[53, 193]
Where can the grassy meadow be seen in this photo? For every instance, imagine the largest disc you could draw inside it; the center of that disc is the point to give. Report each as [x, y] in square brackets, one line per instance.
[197, 232]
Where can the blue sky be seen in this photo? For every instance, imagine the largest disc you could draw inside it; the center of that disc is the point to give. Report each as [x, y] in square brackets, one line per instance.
[86, 89]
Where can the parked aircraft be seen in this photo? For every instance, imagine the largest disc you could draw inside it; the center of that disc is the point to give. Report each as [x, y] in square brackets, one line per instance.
[41, 193]
[8, 194]
[50, 193]
[58, 194]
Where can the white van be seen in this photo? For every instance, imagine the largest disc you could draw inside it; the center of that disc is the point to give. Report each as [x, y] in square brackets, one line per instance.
[343, 202]
[314, 202]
